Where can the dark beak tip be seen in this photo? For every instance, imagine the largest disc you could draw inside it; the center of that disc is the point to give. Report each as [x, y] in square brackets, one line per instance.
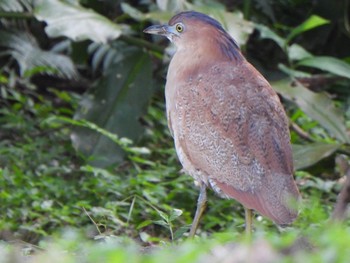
[148, 30]
[154, 30]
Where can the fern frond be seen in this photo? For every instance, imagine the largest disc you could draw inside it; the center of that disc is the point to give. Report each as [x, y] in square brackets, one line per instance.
[104, 55]
[31, 59]
[16, 5]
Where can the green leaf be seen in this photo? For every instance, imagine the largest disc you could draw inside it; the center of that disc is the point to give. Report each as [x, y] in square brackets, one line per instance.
[239, 28]
[31, 59]
[74, 21]
[310, 23]
[307, 155]
[103, 55]
[181, 231]
[115, 103]
[293, 73]
[15, 5]
[296, 52]
[317, 105]
[164, 216]
[144, 224]
[132, 12]
[175, 213]
[161, 223]
[171, 6]
[329, 64]
[266, 32]
[122, 142]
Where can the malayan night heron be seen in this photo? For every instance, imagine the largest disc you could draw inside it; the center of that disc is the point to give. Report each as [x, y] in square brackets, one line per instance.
[229, 127]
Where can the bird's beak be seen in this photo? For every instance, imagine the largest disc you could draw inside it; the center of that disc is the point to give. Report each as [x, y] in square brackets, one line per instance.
[157, 30]
[162, 30]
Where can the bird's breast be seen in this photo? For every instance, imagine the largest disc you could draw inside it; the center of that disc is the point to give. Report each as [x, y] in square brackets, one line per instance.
[230, 131]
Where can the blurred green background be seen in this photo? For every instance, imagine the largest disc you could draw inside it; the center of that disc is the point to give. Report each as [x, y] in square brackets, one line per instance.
[86, 159]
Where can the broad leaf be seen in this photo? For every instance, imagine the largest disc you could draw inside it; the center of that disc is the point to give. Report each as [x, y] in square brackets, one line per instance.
[310, 23]
[307, 155]
[266, 7]
[239, 28]
[75, 22]
[31, 59]
[103, 55]
[181, 231]
[171, 6]
[175, 213]
[15, 5]
[329, 64]
[234, 22]
[115, 103]
[133, 12]
[317, 105]
[292, 72]
[296, 52]
[266, 32]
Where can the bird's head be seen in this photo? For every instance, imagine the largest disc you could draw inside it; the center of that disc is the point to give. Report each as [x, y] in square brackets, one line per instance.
[194, 30]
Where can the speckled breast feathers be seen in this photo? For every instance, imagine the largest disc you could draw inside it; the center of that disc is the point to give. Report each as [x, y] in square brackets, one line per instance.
[229, 127]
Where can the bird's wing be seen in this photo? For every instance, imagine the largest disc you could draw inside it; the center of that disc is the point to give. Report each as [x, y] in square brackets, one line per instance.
[230, 125]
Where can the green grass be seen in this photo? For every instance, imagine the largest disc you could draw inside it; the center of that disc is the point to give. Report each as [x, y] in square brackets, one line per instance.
[323, 243]
[56, 206]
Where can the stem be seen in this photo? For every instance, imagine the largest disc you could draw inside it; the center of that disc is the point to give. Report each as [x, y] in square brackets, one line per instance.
[98, 229]
[347, 17]
[16, 15]
[303, 134]
[131, 209]
[171, 231]
[246, 9]
[142, 43]
[343, 199]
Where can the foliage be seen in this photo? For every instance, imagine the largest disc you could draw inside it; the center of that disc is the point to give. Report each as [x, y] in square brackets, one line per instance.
[84, 142]
[317, 105]
[31, 59]
[324, 244]
[115, 102]
[69, 19]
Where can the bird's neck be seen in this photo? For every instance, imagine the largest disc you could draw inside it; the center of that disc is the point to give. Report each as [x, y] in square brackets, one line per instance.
[186, 63]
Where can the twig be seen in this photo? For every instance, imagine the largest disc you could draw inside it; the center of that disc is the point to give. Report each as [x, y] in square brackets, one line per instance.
[16, 15]
[343, 198]
[303, 134]
[98, 229]
[142, 43]
[131, 209]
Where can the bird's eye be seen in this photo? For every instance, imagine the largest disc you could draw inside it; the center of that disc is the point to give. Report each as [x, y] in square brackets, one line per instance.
[179, 28]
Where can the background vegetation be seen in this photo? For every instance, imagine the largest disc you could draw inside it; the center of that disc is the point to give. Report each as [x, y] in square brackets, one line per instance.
[88, 169]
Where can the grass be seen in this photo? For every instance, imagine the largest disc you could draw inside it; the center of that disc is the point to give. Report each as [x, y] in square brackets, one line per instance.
[56, 206]
[322, 243]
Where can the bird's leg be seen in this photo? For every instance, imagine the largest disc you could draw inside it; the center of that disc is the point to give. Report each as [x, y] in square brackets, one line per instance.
[201, 204]
[248, 220]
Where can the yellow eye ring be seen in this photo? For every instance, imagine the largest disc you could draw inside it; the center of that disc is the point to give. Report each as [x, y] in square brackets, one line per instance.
[179, 28]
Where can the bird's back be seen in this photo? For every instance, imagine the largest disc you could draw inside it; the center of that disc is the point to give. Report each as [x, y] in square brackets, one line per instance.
[231, 132]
